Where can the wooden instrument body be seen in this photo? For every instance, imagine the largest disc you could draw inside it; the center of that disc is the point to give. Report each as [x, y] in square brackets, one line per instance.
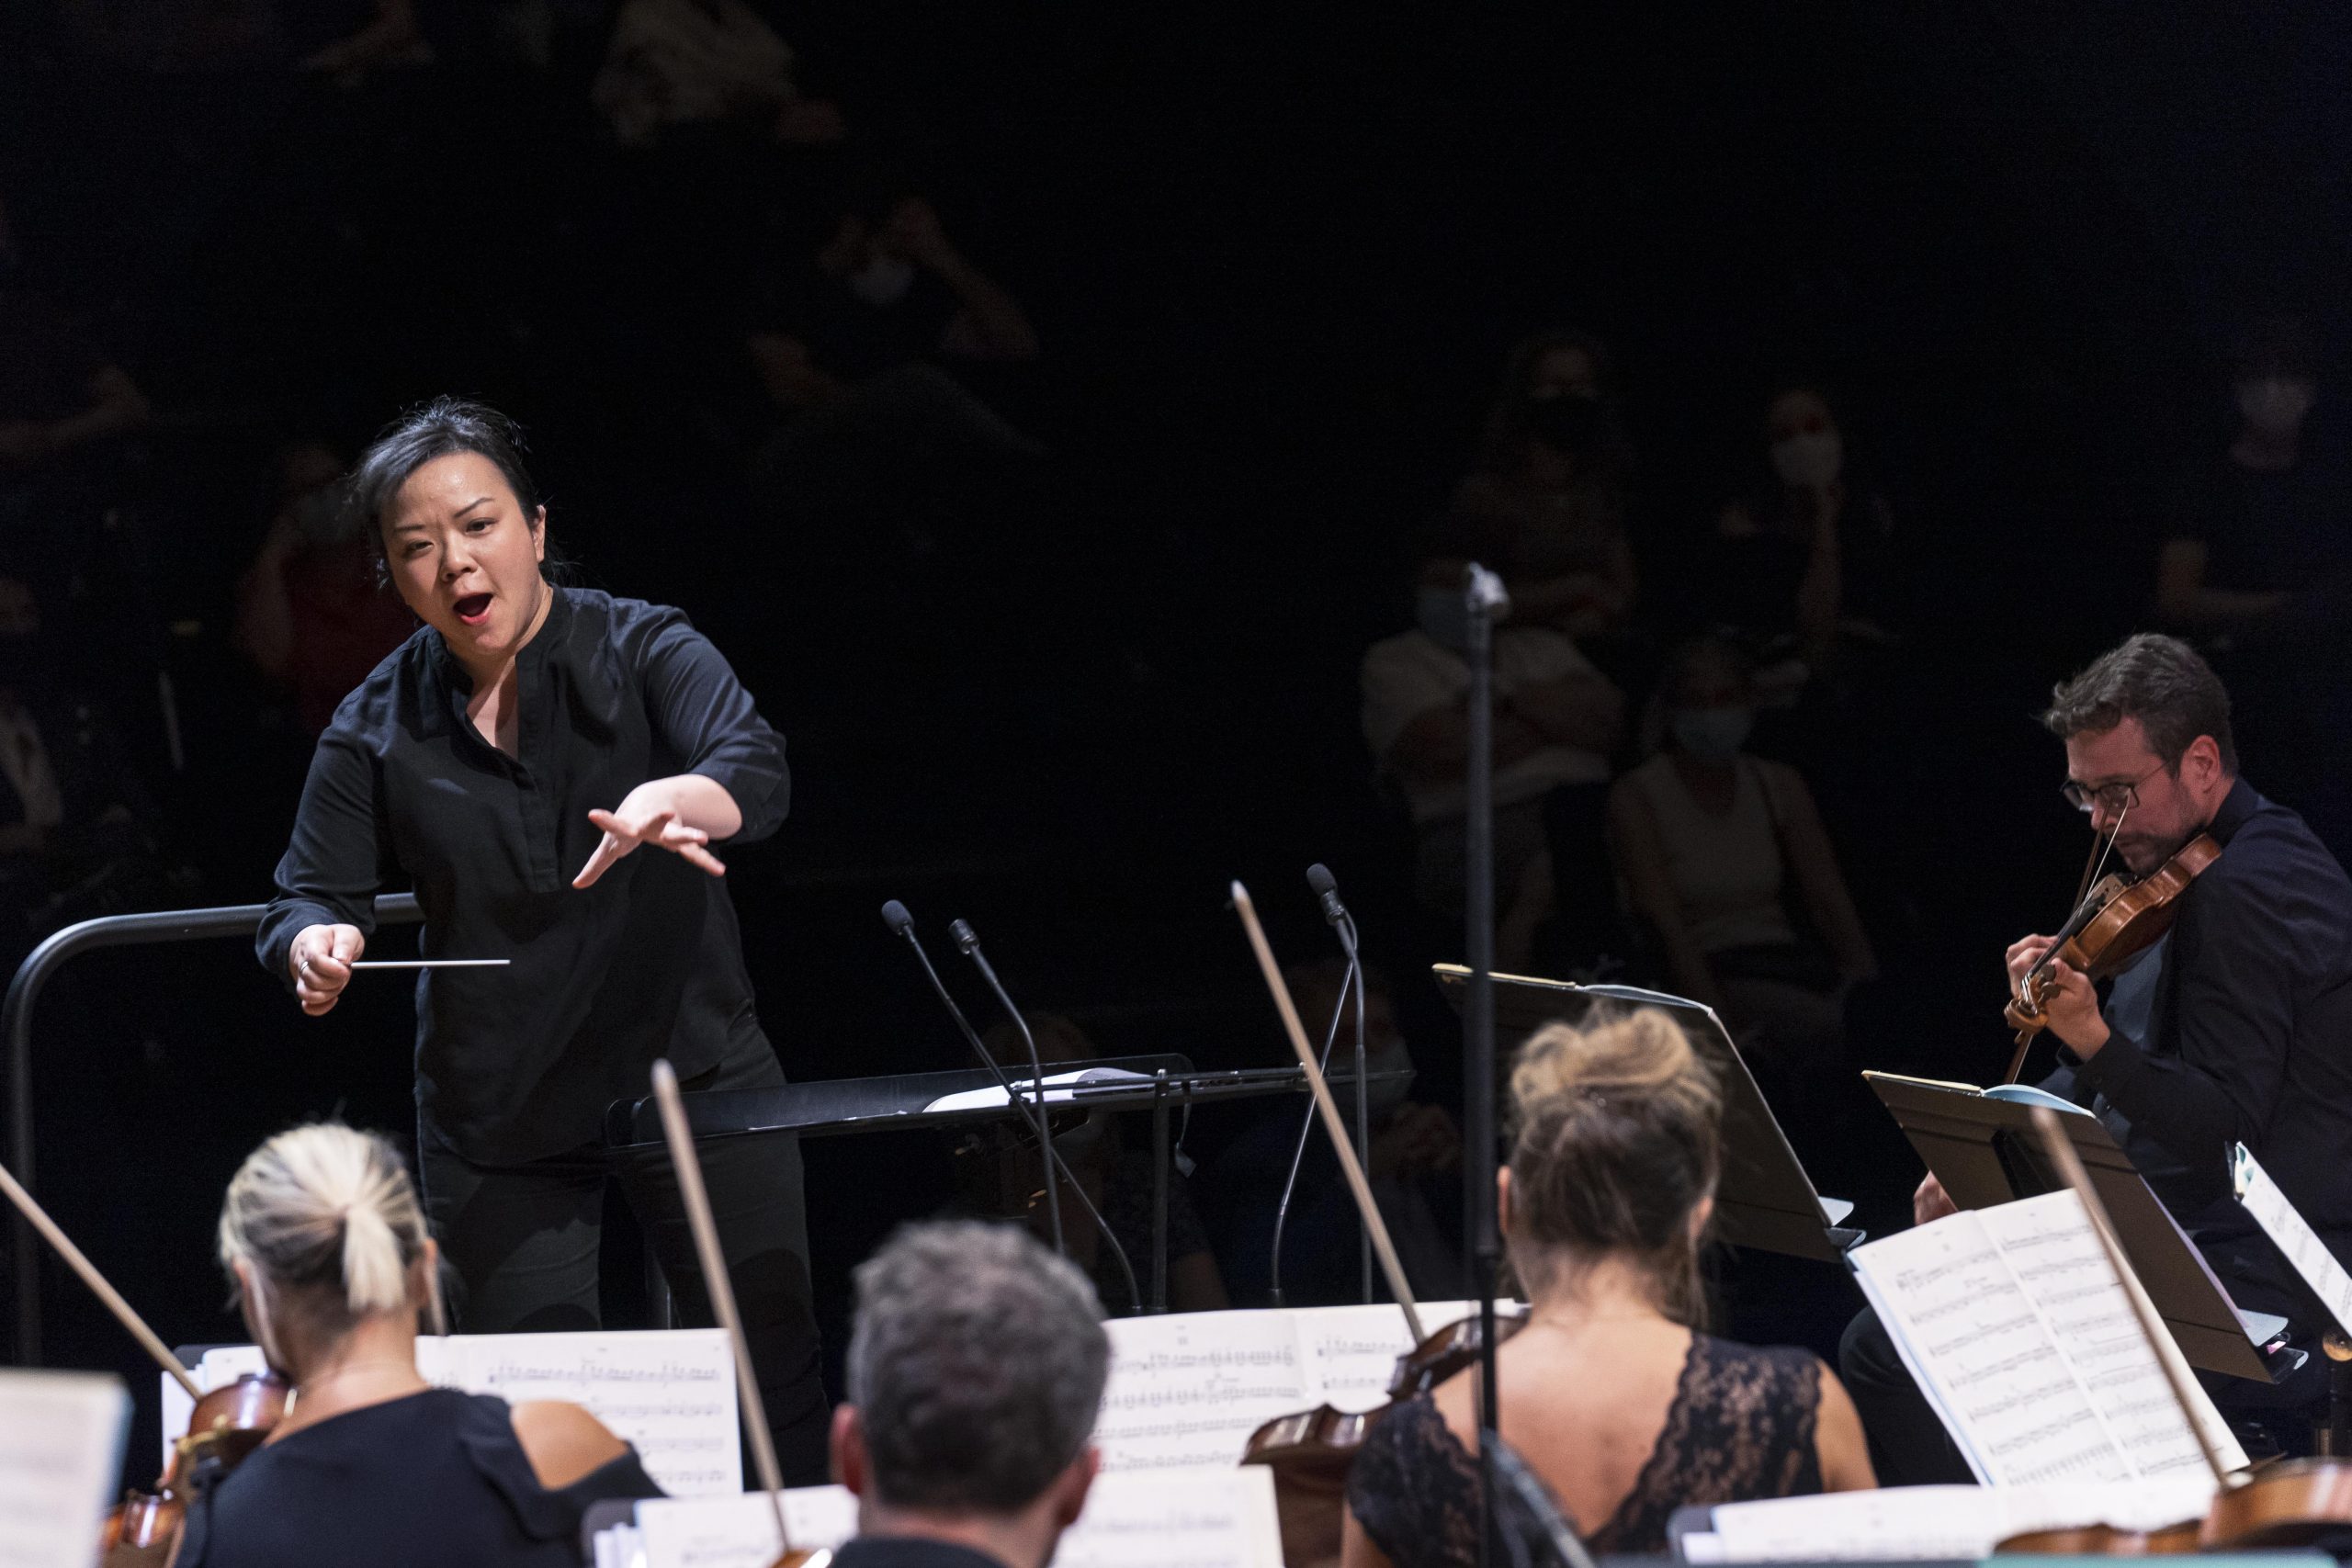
[1312, 1452]
[228, 1423]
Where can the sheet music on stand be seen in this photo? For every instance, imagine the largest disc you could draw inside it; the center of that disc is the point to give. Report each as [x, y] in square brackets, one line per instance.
[2017, 1330]
[1765, 1198]
[671, 1392]
[1924, 1523]
[1189, 1388]
[1191, 1518]
[61, 1437]
[2292, 1235]
[1982, 1146]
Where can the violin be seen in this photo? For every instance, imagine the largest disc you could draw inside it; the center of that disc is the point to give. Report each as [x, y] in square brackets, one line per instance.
[1312, 1452]
[227, 1424]
[2114, 923]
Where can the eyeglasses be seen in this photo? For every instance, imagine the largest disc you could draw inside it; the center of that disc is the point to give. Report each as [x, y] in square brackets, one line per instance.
[2116, 797]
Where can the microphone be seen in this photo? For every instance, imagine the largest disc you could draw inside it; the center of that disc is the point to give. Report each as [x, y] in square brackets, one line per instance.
[895, 916]
[1318, 878]
[967, 941]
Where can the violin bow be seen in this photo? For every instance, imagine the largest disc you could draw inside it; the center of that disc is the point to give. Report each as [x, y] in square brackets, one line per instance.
[1349, 1166]
[37, 1217]
[723, 1294]
[2177, 1377]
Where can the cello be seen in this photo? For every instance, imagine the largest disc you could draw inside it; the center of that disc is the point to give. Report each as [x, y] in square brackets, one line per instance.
[227, 1423]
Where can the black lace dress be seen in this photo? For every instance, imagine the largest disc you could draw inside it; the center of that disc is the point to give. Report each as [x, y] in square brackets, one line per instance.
[1741, 1427]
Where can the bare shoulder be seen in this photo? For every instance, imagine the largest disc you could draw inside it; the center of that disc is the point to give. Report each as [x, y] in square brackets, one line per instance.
[562, 1441]
[1839, 1441]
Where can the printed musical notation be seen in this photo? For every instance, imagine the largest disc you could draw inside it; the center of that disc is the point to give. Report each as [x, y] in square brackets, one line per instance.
[2012, 1318]
[1941, 1522]
[61, 1442]
[670, 1392]
[1190, 1388]
[2261, 1198]
[1213, 1519]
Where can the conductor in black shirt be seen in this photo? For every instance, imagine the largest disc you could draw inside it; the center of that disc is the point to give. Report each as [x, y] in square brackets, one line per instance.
[2237, 1028]
[513, 759]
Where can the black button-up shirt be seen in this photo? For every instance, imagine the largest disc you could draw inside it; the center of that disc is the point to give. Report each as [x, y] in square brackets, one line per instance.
[2249, 1041]
[516, 1063]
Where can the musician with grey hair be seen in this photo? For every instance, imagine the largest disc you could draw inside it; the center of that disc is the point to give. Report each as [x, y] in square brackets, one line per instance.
[976, 1372]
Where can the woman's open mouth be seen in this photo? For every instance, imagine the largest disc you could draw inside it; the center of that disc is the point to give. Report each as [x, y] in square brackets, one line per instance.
[473, 609]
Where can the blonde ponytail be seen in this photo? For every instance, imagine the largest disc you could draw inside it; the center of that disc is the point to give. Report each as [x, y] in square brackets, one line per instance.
[326, 1220]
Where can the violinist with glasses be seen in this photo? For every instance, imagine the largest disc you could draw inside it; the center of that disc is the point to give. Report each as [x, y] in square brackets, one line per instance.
[2234, 1027]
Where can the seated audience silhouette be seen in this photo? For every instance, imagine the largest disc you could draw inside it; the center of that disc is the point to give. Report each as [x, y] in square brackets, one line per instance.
[1610, 1394]
[1727, 866]
[323, 1239]
[976, 1372]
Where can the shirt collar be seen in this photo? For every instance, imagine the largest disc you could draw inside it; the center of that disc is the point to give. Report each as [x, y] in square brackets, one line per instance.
[2237, 807]
[912, 1551]
[542, 647]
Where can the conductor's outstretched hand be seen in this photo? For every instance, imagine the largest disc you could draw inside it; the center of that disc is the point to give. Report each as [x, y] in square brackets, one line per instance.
[635, 824]
[320, 960]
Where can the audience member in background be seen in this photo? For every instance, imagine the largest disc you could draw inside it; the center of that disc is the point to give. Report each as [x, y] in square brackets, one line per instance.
[853, 350]
[706, 64]
[1611, 1393]
[1000, 1175]
[76, 826]
[1546, 506]
[2263, 582]
[326, 1248]
[314, 612]
[977, 1363]
[1556, 721]
[61, 397]
[389, 37]
[1727, 865]
[1801, 565]
[1415, 1169]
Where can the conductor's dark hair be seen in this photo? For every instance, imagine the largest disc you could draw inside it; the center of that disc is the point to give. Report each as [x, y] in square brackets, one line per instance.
[2158, 680]
[442, 428]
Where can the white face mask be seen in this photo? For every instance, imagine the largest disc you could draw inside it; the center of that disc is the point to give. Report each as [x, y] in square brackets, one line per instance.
[884, 280]
[2275, 404]
[1811, 460]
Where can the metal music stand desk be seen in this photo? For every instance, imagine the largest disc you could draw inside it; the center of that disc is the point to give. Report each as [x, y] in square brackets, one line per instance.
[1765, 1200]
[899, 1102]
[1986, 1152]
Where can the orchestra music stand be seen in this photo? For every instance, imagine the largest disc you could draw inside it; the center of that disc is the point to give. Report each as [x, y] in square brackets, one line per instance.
[1765, 1200]
[1986, 1152]
[899, 1102]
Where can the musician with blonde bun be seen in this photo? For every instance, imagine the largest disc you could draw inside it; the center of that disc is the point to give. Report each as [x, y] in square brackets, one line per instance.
[373, 1467]
[1612, 1394]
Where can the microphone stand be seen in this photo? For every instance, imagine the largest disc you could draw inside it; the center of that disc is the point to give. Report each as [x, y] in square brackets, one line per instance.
[1484, 597]
[1347, 930]
[895, 916]
[1298, 1153]
[969, 942]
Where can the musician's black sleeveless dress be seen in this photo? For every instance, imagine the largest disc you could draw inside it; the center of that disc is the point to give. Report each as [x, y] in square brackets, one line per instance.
[434, 1477]
[1741, 1427]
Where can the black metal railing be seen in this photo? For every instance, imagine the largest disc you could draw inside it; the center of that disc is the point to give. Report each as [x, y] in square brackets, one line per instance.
[16, 1021]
